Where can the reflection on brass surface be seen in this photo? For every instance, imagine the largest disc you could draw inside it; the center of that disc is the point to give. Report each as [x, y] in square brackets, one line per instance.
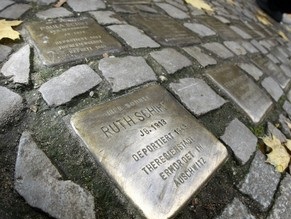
[271, 69]
[222, 29]
[242, 90]
[65, 40]
[155, 150]
[164, 30]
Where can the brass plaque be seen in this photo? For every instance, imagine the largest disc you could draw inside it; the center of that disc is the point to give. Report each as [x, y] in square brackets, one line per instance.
[242, 90]
[223, 30]
[156, 151]
[164, 30]
[65, 40]
[271, 69]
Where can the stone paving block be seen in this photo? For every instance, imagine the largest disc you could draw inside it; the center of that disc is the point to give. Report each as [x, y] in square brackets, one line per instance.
[261, 182]
[18, 66]
[235, 48]
[5, 3]
[240, 32]
[106, 17]
[218, 49]
[200, 29]
[248, 46]
[281, 209]
[195, 11]
[287, 108]
[10, 104]
[196, 95]
[273, 58]
[252, 70]
[86, 5]
[266, 44]
[241, 140]
[171, 60]
[71, 83]
[222, 19]
[284, 125]
[178, 4]
[146, 8]
[42, 2]
[15, 11]
[201, 57]
[4, 52]
[236, 209]
[123, 73]
[54, 13]
[271, 129]
[259, 46]
[286, 69]
[39, 182]
[273, 88]
[133, 37]
[173, 11]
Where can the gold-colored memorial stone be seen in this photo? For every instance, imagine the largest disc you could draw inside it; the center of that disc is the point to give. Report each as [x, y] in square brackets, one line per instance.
[164, 30]
[156, 151]
[64, 40]
[242, 90]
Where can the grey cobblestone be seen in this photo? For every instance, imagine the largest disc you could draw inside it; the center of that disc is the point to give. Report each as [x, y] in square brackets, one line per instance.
[10, 104]
[133, 37]
[252, 70]
[71, 83]
[281, 208]
[198, 97]
[5, 3]
[173, 11]
[106, 17]
[236, 209]
[38, 181]
[284, 125]
[122, 73]
[173, 62]
[286, 69]
[201, 57]
[18, 66]
[240, 139]
[275, 132]
[261, 182]
[218, 49]
[235, 48]
[287, 108]
[200, 29]
[15, 11]
[273, 58]
[248, 46]
[86, 5]
[273, 88]
[259, 46]
[54, 13]
[240, 32]
[4, 52]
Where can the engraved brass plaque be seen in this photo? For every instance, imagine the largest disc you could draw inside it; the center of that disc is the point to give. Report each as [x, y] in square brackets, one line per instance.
[242, 90]
[164, 30]
[271, 69]
[222, 29]
[65, 40]
[156, 151]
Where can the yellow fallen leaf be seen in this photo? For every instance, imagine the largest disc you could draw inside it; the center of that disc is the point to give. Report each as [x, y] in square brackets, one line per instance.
[6, 30]
[279, 156]
[200, 4]
[263, 18]
[288, 144]
[283, 35]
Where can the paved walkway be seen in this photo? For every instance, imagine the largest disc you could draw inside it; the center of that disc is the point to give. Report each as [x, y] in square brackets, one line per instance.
[231, 71]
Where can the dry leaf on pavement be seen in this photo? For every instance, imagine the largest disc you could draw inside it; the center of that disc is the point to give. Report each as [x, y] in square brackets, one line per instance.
[279, 156]
[200, 4]
[6, 30]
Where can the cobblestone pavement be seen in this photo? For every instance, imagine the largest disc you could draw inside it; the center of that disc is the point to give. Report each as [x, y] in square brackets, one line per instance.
[231, 71]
